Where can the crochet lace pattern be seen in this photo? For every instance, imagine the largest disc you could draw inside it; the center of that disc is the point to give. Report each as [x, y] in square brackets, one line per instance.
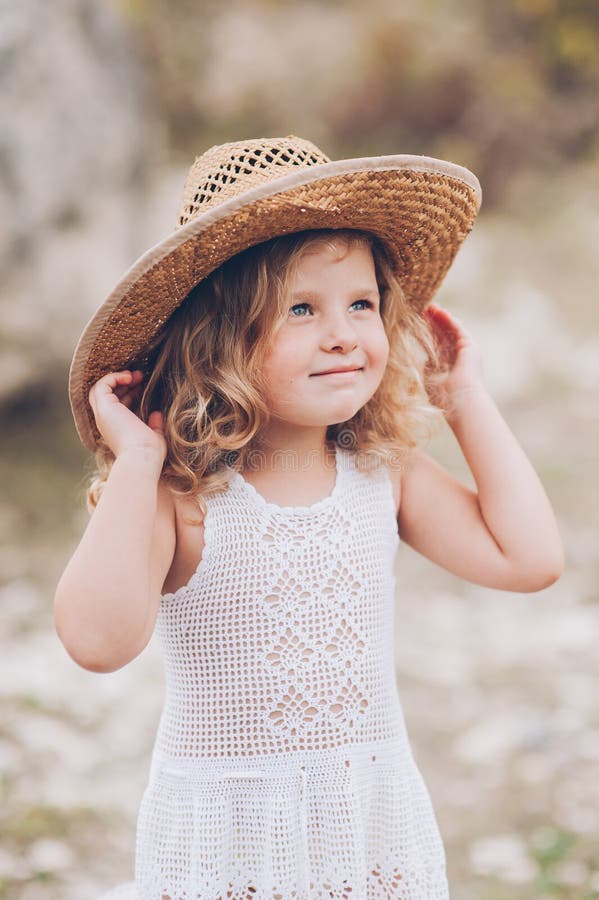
[282, 768]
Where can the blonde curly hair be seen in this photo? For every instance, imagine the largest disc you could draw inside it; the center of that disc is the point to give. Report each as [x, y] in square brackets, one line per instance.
[205, 373]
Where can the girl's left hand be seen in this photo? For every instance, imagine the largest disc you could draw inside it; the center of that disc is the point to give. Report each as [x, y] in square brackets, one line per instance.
[457, 350]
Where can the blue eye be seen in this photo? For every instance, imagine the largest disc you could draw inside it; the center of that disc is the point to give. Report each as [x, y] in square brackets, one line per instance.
[298, 306]
[369, 305]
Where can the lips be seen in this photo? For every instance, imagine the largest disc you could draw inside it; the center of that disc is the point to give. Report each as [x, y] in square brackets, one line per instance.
[339, 370]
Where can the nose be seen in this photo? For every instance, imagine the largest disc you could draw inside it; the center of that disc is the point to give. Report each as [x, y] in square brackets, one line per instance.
[339, 333]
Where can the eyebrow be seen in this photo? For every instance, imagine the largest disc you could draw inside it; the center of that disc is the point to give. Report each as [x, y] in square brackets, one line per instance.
[314, 295]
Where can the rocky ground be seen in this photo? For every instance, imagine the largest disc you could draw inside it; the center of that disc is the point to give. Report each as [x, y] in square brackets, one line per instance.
[499, 689]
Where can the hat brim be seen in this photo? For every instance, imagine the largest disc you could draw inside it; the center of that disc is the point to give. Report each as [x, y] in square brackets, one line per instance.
[421, 208]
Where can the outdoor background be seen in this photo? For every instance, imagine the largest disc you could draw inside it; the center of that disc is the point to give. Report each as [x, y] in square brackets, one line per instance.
[104, 106]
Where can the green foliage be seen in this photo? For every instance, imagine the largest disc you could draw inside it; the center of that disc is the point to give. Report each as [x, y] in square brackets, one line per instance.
[551, 846]
[562, 36]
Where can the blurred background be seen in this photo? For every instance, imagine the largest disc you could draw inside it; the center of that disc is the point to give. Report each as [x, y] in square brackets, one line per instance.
[105, 105]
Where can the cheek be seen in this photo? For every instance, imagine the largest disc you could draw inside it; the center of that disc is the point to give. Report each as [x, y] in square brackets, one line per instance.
[278, 369]
[380, 347]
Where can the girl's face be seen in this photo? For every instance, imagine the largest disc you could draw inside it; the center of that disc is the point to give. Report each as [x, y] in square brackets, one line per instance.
[333, 323]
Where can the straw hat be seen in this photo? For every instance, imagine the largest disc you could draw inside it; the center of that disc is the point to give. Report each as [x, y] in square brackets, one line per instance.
[242, 193]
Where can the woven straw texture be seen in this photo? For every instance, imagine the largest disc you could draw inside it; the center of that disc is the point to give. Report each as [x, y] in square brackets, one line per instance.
[222, 173]
[240, 195]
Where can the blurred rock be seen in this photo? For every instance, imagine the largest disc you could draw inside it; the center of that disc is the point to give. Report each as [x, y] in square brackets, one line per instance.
[572, 872]
[11, 867]
[503, 855]
[50, 855]
[73, 165]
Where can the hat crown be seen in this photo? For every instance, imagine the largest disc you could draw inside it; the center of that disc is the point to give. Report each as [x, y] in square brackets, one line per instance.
[227, 170]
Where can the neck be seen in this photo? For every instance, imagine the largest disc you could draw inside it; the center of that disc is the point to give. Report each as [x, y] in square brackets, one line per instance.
[288, 448]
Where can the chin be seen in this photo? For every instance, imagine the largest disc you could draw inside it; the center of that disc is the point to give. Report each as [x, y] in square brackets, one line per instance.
[341, 417]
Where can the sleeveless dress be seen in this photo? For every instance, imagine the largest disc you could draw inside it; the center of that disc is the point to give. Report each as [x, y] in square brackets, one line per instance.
[282, 768]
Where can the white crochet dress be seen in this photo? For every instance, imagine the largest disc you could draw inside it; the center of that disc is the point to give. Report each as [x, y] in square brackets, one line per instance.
[282, 769]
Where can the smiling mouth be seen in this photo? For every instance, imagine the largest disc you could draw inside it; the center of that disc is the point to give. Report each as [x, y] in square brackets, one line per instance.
[338, 372]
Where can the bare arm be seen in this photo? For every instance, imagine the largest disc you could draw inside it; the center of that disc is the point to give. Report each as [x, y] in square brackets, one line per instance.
[502, 535]
[512, 500]
[106, 600]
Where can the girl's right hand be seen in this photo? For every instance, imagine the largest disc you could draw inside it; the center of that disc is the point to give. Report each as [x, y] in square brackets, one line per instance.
[110, 399]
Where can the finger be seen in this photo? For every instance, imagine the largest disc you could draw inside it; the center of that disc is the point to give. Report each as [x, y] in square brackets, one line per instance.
[134, 379]
[156, 421]
[452, 319]
[122, 387]
[441, 329]
[433, 309]
[112, 381]
[109, 385]
[131, 396]
[435, 312]
[134, 384]
[445, 343]
[437, 318]
[446, 326]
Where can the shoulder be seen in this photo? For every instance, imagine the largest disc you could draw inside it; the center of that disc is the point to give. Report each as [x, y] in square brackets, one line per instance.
[420, 476]
[166, 502]
[418, 479]
[165, 528]
[179, 537]
[396, 466]
[174, 509]
[395, 476]
[426, 494]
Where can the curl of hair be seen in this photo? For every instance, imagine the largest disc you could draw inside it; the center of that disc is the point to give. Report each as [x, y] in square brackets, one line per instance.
[204, 370]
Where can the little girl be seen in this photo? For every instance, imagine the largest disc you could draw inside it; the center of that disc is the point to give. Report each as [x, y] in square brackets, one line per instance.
[254, 390]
